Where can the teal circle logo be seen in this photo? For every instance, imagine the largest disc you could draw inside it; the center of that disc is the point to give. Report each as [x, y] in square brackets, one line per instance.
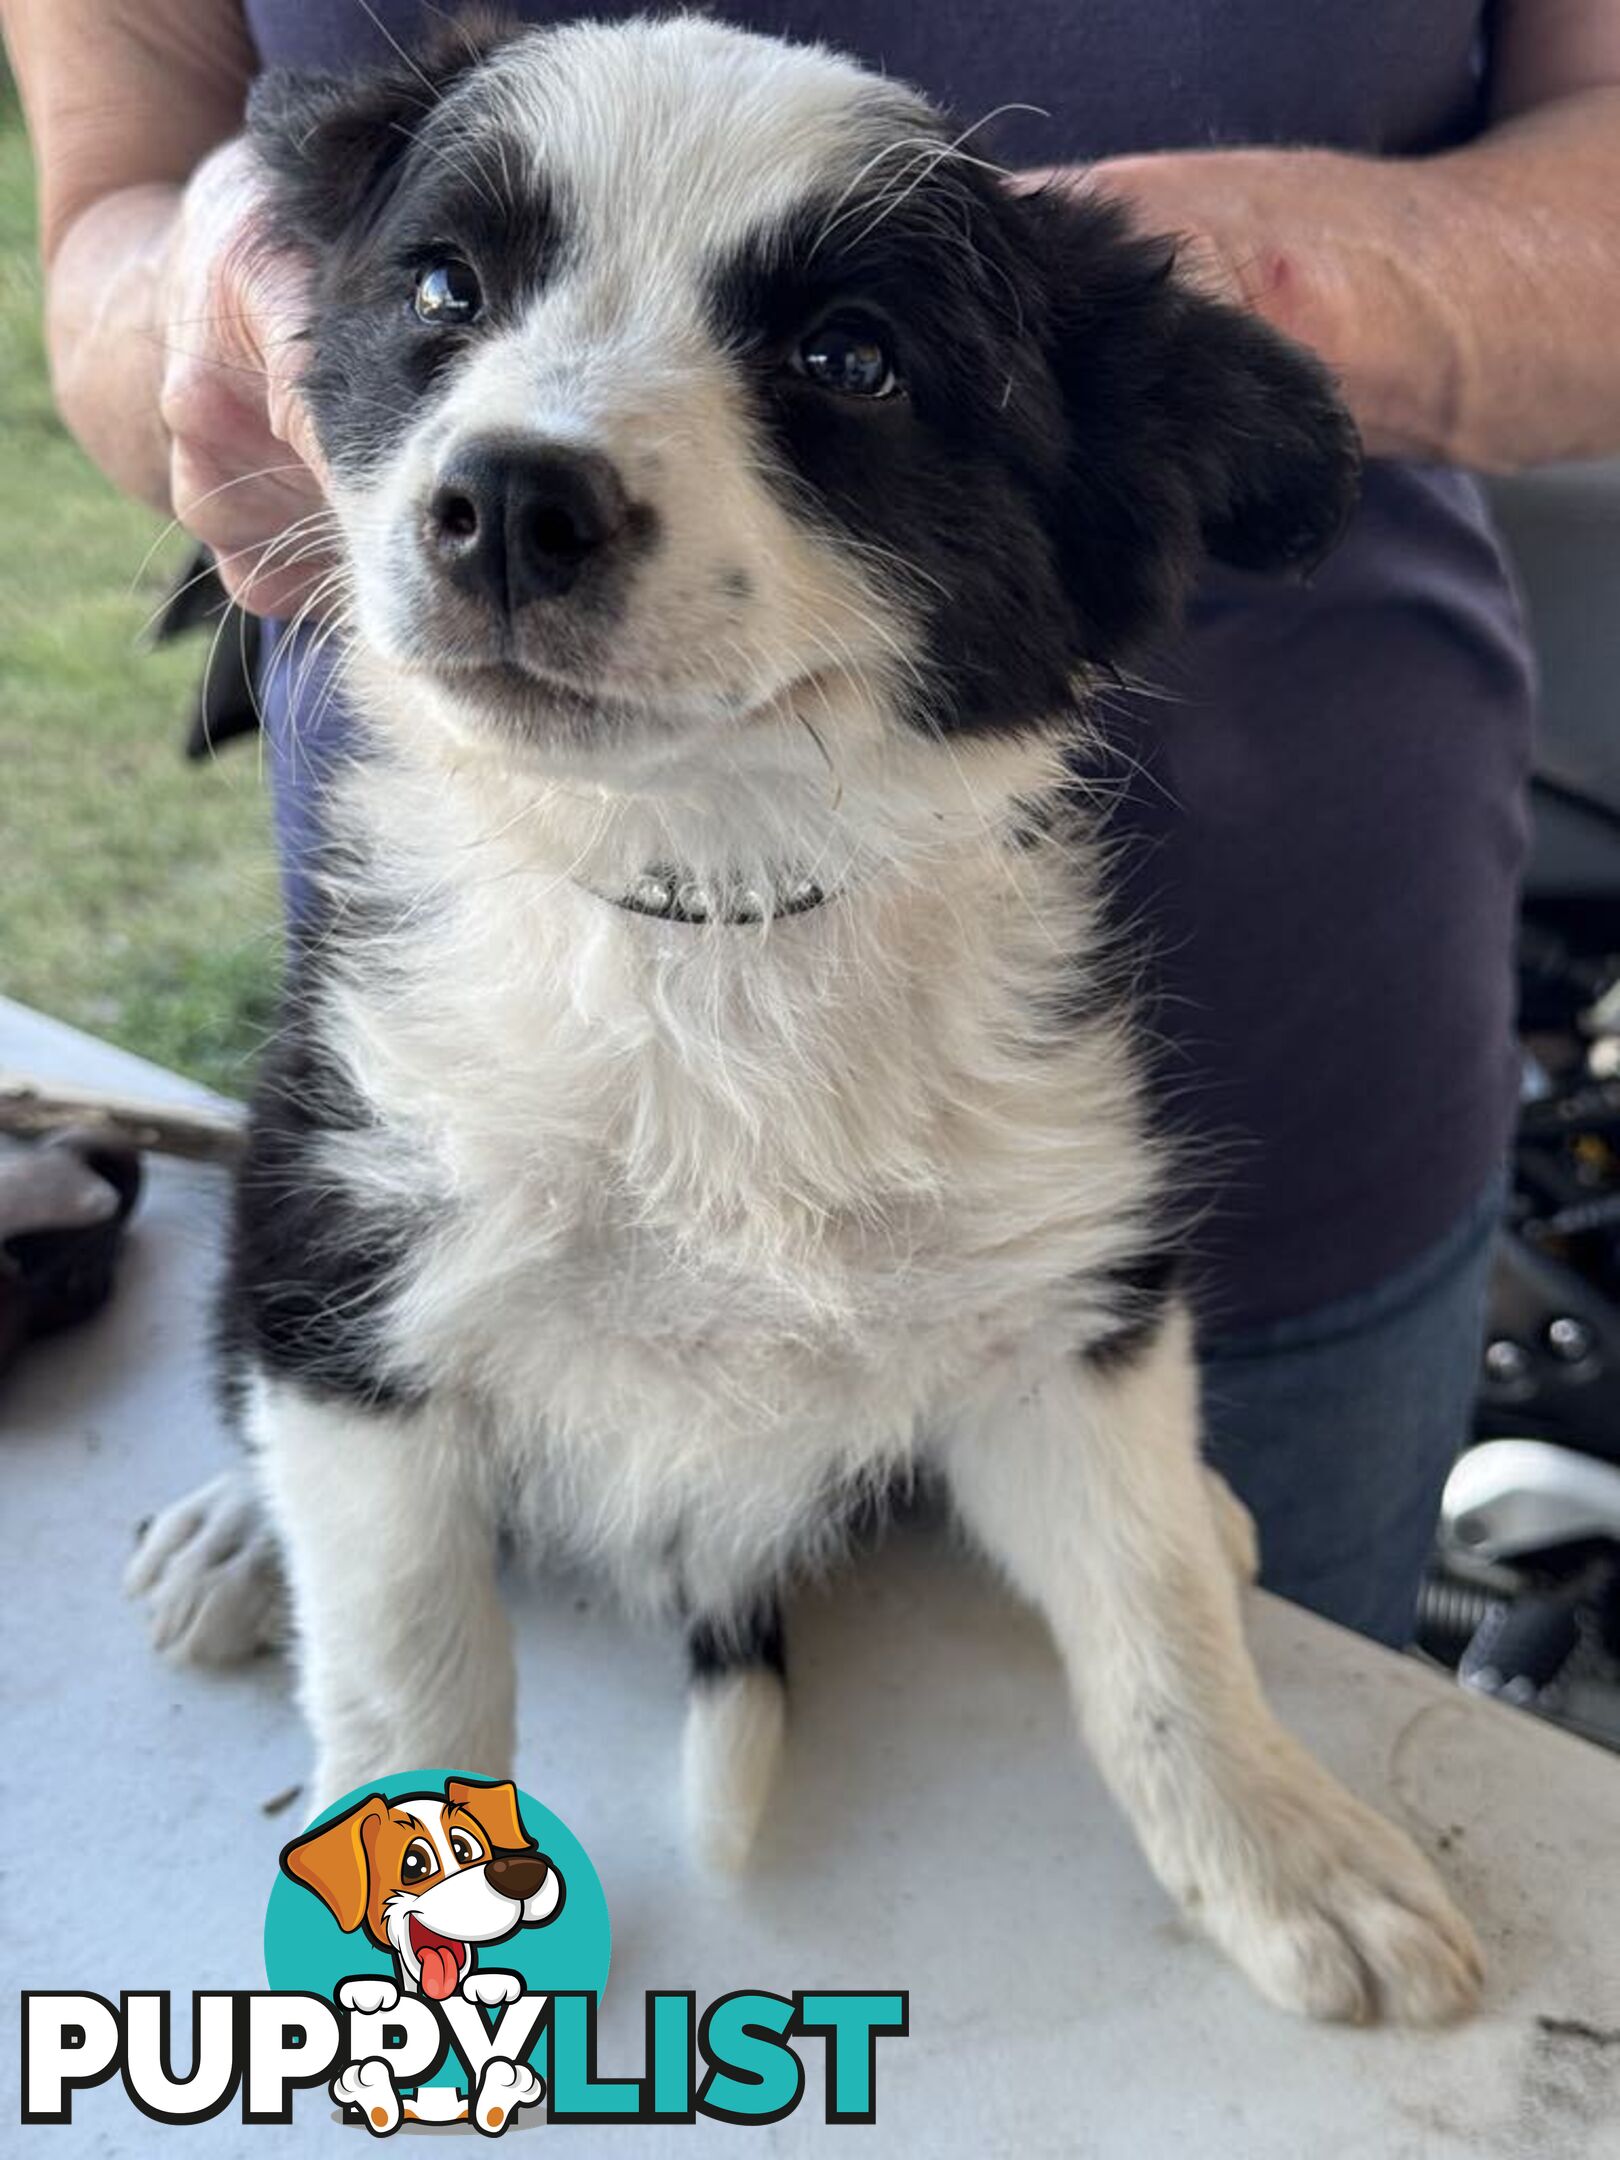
[434, 1882]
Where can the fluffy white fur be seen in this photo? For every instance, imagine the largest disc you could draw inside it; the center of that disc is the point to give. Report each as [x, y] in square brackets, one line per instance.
[729, 1222]
[727, 1212]
[744, 1215]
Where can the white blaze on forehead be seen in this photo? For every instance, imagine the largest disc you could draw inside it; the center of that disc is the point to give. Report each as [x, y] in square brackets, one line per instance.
[668, 143]
[430, 1814]
[663, 147]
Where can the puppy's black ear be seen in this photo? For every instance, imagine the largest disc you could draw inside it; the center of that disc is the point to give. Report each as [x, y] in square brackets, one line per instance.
[1193, 428]
[1273, 454]
[334, 141]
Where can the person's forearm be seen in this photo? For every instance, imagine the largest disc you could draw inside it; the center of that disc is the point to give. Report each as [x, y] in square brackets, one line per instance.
[123, 99]
[1469, 302]
[1515, 242]
[103, 336]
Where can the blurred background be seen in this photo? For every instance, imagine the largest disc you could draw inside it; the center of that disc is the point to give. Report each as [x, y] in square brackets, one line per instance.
[137, 894]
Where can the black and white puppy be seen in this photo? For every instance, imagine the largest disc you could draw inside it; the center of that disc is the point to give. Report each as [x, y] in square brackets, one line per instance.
[710, 1094]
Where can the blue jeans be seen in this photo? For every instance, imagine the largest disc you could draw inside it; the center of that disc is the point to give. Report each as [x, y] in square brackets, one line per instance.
[1338, 1428]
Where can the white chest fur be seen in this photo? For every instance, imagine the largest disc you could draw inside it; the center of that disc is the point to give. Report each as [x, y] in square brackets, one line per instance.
[720, 1216]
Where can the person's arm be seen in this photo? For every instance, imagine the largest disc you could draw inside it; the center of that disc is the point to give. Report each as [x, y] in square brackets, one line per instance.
[1470, 301]
[171, 324]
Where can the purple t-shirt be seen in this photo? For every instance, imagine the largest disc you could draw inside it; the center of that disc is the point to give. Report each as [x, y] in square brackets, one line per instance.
[1327, 814]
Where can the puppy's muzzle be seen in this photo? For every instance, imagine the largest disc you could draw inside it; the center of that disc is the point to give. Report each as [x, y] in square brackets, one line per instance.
[510, 523]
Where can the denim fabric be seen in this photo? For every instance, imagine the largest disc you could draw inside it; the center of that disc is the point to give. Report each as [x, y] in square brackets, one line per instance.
[1338, 1428]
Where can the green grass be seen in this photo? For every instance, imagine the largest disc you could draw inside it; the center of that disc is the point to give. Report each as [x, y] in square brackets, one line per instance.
[137, 892]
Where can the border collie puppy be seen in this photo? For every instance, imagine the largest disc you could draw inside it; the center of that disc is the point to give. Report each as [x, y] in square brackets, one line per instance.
[709, 1095]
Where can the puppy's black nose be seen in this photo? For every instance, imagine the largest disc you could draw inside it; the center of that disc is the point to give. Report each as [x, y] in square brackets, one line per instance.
[513, 523]
[517, 1875]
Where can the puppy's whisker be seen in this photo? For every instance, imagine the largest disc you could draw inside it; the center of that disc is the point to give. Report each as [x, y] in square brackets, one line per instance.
[173, 526]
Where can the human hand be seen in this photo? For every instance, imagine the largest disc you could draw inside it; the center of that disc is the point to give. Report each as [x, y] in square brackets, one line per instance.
[1333, 250]
[246, 474]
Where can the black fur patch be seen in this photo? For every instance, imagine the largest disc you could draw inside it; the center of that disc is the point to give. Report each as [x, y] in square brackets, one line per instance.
[378, 176]
[1144, 1290]
[308, 1272]
[752, 1637]
[1076, 430]
[337, 144]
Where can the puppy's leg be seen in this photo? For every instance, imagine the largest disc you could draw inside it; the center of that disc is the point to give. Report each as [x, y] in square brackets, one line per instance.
[405, 1657]
[1089, 1489]
[736, 1716]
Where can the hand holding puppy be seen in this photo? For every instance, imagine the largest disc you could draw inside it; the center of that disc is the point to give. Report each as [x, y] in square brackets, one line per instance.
[246, 474]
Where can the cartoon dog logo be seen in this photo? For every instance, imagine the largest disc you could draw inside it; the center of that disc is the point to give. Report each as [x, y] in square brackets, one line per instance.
[432, 1878]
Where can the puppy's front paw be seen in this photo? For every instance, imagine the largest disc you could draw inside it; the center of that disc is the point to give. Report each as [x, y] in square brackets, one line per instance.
[208, 1571]
[492, 1988]
[1334, 1913]
[369, 1994]
[502, 2090]
[369, 2086]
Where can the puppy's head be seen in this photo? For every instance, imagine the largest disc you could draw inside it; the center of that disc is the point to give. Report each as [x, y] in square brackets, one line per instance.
[430, 1876]
[681, 384]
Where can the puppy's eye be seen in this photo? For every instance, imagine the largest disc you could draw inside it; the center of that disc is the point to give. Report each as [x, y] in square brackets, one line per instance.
[447, 294]
[419, 1863]
[850, 353]
[466, 1849]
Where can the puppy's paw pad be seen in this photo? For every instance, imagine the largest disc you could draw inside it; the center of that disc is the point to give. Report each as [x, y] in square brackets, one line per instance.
[1347, 1921]
[369, 2086]
[502, 2090]
[209, 1573]
[368, 1994]
[492, 1988]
